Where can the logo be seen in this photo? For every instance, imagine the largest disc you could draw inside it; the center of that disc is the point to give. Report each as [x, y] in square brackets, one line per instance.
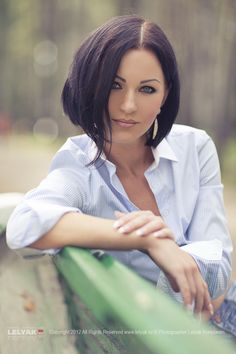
[25, 331]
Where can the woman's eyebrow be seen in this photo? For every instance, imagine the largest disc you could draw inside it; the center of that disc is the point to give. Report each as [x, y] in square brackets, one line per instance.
[141, 82]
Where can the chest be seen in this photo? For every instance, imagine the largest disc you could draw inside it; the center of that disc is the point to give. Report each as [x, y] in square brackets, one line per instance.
[140, 193]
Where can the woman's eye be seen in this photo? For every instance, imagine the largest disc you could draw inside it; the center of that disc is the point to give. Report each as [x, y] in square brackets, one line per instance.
[115, 85]
[148, 89]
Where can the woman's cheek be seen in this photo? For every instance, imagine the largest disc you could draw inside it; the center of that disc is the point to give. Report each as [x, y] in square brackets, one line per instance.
[153, 113]
[153, 108]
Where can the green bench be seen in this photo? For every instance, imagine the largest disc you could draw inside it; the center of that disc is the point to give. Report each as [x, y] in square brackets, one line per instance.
[113, 310]
[119, 312]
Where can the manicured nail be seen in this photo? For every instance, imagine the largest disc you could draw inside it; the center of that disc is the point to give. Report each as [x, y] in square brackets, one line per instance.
[189, 307]
[139, 232]
[211, 309]
[117, 224]
[157, 234]
[122, 230]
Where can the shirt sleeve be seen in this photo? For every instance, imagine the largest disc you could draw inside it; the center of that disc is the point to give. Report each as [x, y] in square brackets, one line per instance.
[209, 224]
[62, 191]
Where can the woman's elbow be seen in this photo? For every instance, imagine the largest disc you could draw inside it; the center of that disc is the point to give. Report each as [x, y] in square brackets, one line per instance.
[21, 230]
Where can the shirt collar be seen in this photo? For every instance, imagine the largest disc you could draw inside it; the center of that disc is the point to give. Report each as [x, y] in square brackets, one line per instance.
[92, 152]
[163, 150]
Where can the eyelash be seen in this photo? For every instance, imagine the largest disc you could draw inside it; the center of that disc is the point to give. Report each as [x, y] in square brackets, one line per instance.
[118, 88]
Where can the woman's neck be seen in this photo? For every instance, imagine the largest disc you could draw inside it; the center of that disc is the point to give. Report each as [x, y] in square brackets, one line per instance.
[131, 159]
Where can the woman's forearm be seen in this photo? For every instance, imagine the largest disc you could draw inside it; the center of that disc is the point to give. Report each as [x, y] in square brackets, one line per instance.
[86, 231]
[81, 230]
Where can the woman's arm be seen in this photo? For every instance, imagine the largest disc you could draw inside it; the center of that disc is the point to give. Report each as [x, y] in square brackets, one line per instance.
[179, 267]
[92, 232]
[209, 222]
[87, 231]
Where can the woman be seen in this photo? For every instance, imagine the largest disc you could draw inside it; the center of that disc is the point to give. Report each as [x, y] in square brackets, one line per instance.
[160, 181]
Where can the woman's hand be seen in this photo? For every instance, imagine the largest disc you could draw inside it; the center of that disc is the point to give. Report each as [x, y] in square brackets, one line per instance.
[143, 222]
[180, 268]
[183, 274]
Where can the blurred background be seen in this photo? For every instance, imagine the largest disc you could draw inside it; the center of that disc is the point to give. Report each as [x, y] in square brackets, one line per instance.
[38, 40]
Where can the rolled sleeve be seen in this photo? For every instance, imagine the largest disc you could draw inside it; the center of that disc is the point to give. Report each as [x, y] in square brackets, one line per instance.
[209, 256]
[61, 192]
[31, 220]
[215, 273]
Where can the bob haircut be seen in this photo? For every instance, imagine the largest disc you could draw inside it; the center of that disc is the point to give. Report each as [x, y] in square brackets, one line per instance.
[86, 91]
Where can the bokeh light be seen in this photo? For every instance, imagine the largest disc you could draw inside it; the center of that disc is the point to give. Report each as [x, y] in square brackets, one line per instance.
[46, 130]
[45, 58]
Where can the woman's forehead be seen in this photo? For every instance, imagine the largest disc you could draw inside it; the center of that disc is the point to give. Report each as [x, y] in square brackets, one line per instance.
[140, 63]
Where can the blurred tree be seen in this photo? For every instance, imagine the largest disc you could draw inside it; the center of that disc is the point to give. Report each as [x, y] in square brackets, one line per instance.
[203, 34]
[38, 40]
[3, 53]
[128, 7]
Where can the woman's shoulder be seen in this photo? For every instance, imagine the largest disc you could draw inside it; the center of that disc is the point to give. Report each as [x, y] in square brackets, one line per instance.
[73, 153]
[76, 144]
[190, 143]
[186, 130]
[185, 135]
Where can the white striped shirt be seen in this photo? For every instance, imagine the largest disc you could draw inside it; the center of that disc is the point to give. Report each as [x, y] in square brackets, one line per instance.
[184, 178]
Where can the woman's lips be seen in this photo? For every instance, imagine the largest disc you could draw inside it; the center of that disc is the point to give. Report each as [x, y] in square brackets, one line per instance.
[124, 123]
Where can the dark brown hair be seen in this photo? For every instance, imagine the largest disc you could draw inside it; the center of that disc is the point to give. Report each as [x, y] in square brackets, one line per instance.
[86, 91]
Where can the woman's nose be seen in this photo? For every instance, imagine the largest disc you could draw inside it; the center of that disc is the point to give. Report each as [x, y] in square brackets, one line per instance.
[128, 104]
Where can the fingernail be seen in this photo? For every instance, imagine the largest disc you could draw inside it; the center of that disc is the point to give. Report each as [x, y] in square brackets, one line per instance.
[211, 309]
[117, 224]
[139, 232]
[189, 307]
[122, 230]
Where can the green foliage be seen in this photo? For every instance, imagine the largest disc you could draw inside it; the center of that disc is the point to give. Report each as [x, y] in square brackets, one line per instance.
[229, 162]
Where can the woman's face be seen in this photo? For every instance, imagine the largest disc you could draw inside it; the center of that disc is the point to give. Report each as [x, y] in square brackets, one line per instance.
[136, 97]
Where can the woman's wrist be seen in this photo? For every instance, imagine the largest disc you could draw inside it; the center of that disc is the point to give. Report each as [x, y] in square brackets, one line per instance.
[154, 243]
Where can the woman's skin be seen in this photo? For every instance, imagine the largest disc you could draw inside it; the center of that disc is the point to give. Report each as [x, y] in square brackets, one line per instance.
[133, 106]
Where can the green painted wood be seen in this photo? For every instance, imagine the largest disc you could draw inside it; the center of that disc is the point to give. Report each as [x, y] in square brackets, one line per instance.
[93, 337]
[121, 300]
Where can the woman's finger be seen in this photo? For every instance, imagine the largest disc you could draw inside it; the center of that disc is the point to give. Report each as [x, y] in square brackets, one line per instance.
[155, 224]
[123, 220]
[193, 287]
[203, 299]
[208, 306]
[164, 233]
[137, 223]
[184, 288]
[199, 298]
